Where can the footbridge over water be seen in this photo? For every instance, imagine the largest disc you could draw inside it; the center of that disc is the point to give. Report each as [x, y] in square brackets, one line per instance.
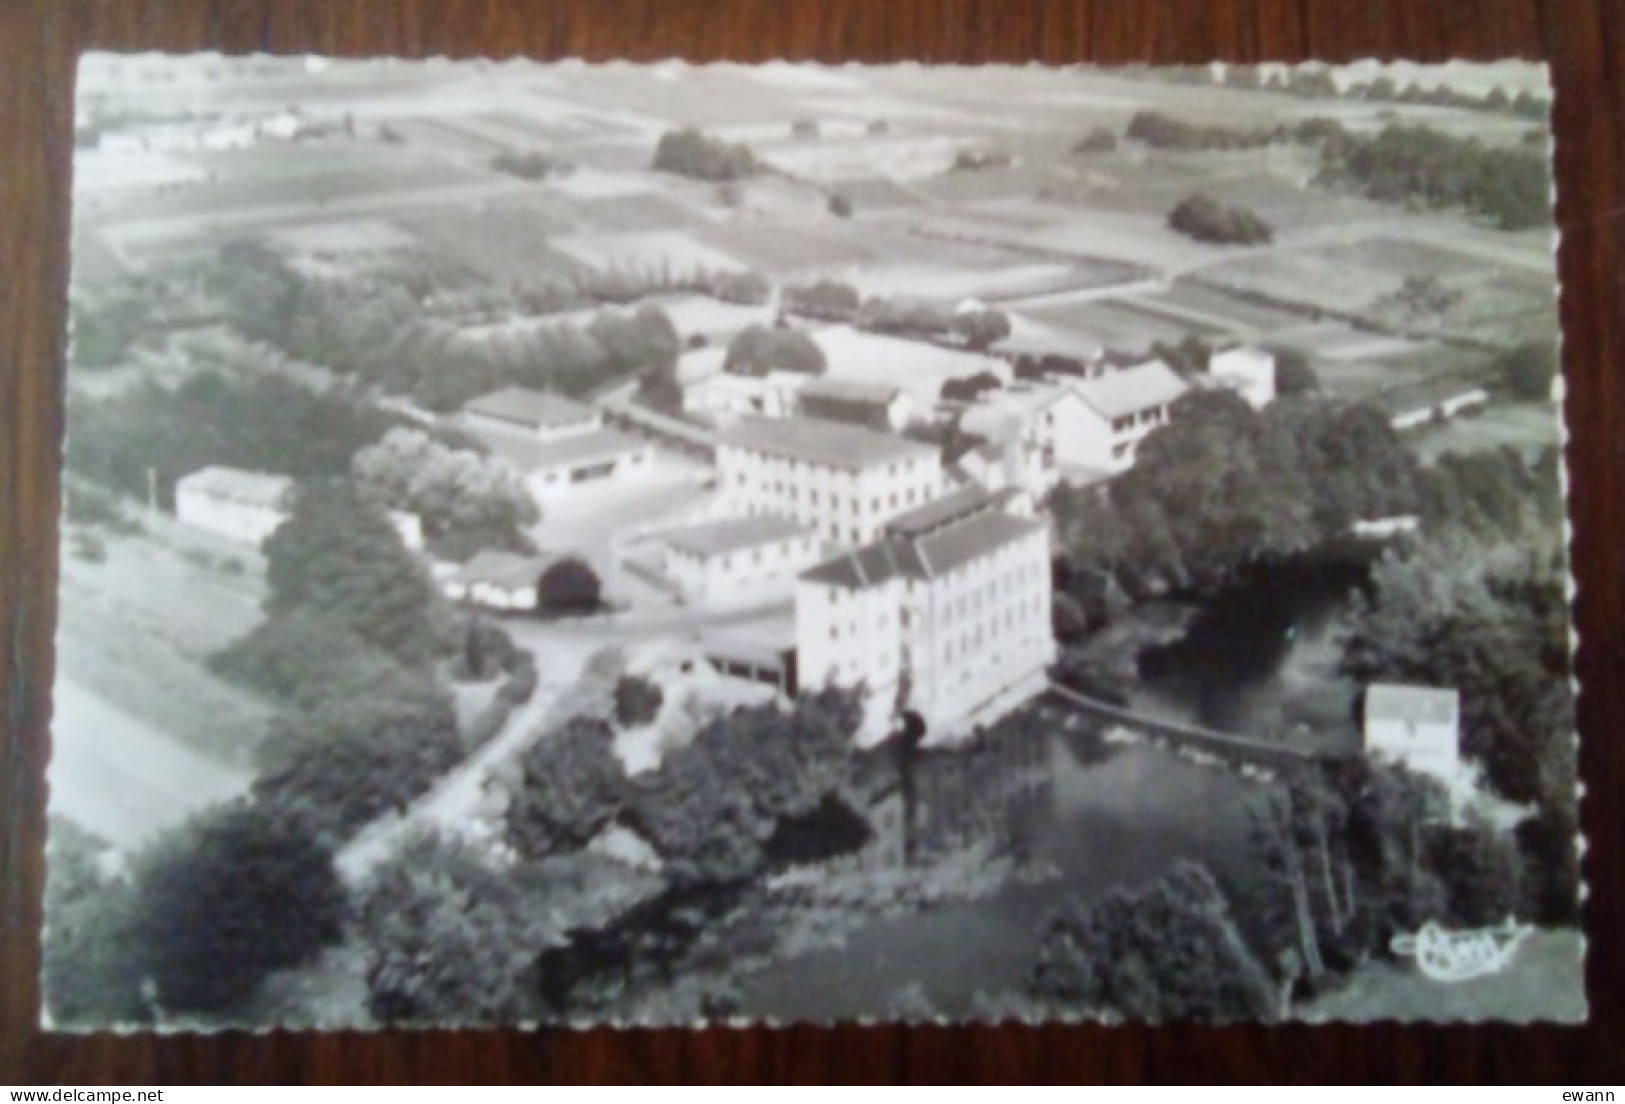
[1235, 749]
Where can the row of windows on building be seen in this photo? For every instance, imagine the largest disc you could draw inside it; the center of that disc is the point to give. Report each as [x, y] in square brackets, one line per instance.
[1144, 417]
[914, 496]
[793, 466]
[1027, 610]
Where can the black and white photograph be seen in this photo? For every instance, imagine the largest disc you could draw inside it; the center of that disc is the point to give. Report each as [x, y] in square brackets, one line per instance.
[673, 544]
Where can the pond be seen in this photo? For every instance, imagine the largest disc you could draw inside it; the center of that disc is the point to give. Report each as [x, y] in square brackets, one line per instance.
[1118, 820]
[1259, 659]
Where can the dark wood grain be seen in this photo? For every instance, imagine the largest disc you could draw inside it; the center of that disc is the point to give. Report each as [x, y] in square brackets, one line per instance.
[1583, 39]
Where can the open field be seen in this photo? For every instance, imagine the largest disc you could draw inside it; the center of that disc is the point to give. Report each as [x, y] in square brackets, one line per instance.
[921, 368]
[134, 630]
[1525, 426]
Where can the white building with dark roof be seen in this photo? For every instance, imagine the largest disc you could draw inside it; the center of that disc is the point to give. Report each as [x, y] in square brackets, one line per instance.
[952, 604]
[843, 481]
[505, 582]
[242, 506]
[557, 445]
[881, 406]
[1123, 407]
[1417, 726]
[248, 506]
[540, 414]
[740, 561]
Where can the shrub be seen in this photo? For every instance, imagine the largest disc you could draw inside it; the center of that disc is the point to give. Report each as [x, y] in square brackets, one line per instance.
[758, 350]
[1203, 218]
[840, 205]
[688, 152]
[569, 588]
[637, 701]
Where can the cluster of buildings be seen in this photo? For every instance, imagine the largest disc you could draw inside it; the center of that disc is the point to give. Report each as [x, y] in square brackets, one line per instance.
[927, 583]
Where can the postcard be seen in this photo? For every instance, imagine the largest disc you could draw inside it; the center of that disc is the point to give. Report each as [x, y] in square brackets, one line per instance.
[672, 544]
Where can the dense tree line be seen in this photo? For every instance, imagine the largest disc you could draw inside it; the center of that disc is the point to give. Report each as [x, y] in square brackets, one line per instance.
[714, 806]
[1167, 951]
[193, 924]
[1227, 486]
[259, 423]
[406, 329]
[1429, 168]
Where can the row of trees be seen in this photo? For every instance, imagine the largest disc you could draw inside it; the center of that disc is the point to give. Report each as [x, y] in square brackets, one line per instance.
[1339, 861]
[259, 423]
[1230, 487]
[1427, 167]
[1318, 83]
[712, 808]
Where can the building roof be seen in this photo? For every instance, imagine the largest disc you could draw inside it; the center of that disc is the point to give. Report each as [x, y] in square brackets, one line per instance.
[534, 409]
[593, 447]
[818, 441]
[1387, 701]
[504, 569]
[933, 553]
[850, 391]
[1006, 411]
[248, 488]
[940, 511]
[1131, 390]
[718, 538]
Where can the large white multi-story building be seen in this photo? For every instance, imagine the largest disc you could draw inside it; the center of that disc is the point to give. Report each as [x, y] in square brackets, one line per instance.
[947, 614]
[843, 481]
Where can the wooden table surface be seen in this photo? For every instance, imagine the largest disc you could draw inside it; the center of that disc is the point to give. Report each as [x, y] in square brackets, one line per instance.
[1583, 39]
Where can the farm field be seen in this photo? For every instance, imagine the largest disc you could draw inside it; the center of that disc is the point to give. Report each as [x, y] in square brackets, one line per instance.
[134, 631]
[921, 368]
[1116, 324]
[1527, 427]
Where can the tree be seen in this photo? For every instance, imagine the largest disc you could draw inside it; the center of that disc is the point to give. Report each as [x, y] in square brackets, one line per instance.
[689, 152]
[1203, 218]
[1529, 369]
[90, 974]
[568, 588]
[1294, 375]
[345, 762]
[980, 328]
[969, 388]
[840, 205]
[1098, 140]
[714, 806]
[757, 350]
[341, 556]
[225, 900]
[303, 659]
[571, 786]
[462, 497]
[531, 165]
[748, 288]
[450, 937]
[641, 341]
[637, 701]
[826, 300]
[258, 423]
[1167, 951]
